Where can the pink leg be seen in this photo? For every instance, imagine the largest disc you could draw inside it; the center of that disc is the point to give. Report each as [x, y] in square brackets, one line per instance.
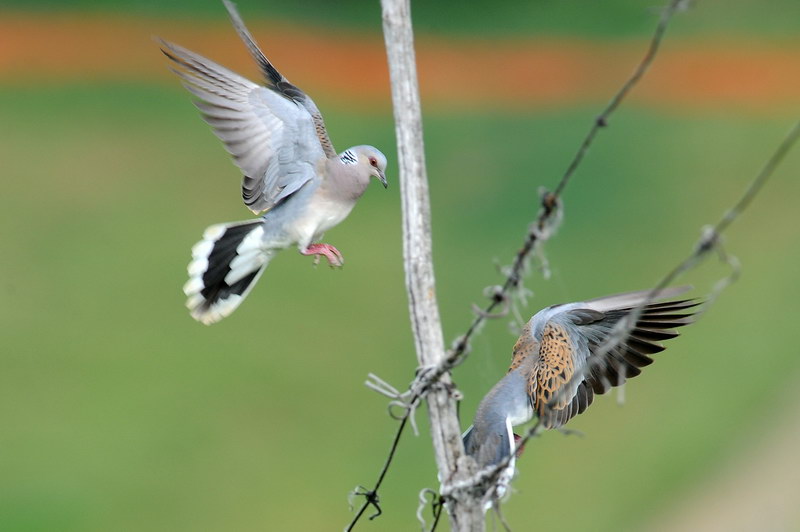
[326, 250]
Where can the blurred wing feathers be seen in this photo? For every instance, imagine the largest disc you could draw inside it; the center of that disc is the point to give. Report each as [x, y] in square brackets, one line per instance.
[277, 82]
[272, 140]
[570, 345]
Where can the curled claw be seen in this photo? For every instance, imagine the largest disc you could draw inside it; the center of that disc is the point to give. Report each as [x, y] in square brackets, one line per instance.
[333, 255]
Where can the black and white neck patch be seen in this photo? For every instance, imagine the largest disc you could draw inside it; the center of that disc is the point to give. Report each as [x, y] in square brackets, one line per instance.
[349, 157]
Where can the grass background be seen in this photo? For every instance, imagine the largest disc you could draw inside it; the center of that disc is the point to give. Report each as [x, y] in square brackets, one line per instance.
[612, 18]
[121, 413]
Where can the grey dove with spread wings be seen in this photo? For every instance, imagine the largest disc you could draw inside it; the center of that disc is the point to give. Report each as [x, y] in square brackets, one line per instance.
[558, 367]
[293, 177]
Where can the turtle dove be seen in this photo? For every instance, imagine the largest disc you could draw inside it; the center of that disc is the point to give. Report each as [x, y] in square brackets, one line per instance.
[293, 177]
[558, 366]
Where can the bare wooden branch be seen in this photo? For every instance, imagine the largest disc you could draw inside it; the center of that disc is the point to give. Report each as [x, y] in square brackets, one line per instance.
[417, 256]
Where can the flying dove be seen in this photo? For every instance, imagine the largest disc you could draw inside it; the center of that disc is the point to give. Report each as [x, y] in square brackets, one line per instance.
[557, 367]
[293, 177]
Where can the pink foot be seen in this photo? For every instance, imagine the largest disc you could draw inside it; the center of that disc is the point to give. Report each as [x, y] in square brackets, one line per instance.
[326, 250]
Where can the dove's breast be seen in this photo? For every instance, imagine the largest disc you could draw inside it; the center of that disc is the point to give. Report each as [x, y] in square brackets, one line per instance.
[320, 214]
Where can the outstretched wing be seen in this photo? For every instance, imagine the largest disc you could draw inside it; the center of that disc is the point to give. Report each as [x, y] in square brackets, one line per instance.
[570, 367]
[271, 138]
[278, 83]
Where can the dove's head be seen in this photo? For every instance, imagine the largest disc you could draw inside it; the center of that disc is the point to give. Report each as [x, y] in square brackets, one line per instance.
[370, 160]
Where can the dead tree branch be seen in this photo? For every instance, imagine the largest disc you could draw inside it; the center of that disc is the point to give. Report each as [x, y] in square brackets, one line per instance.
[465, 514]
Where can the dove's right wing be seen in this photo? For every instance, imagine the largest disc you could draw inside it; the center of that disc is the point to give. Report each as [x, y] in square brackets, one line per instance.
[272, 139]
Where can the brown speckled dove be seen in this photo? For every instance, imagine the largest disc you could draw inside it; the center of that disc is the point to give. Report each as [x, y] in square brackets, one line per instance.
[558, 343]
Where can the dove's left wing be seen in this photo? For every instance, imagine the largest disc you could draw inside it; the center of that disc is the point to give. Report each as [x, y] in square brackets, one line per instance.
[274, 132]
[271, 138]
[570, 368]
[277, 82]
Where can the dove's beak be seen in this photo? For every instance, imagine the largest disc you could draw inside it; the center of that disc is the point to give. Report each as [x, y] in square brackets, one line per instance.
[382, 177]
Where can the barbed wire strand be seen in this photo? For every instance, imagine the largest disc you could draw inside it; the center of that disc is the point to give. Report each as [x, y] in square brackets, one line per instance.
[710, 240]
[539, 231]
[371, 496]
[550, 201]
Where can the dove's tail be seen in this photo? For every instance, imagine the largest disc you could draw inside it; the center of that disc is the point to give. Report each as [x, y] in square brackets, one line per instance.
[225, 266]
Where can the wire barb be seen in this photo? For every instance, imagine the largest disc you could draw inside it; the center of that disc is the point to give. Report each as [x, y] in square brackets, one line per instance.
[424, 501]
[407, 401]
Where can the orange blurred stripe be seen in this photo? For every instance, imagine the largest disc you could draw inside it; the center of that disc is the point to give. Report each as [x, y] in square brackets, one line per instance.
[536, 72]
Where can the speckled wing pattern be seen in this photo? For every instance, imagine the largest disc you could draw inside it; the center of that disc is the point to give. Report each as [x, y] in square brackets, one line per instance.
[564, 342]
[555, 369]
[526, 346]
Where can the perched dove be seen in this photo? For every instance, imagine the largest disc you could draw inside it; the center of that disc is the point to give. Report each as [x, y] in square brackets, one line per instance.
[556, 369]
[292, 175]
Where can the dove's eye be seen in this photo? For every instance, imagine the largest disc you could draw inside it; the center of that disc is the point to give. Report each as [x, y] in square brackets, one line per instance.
[373, 161]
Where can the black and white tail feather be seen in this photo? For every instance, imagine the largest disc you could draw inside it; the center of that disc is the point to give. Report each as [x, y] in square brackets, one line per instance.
[225, 265]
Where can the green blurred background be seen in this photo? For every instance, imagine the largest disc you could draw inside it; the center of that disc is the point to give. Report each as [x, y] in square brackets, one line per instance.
[119, 412]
